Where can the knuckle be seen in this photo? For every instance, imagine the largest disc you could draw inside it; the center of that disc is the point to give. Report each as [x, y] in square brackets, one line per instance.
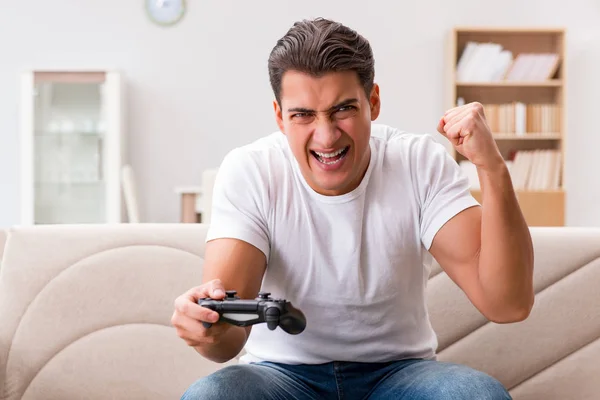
[182, 307]
[179, 302]
[197, 291]
[217, 283]
[185, 307]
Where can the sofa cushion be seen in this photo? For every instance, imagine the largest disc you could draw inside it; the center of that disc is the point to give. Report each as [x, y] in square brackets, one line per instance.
[86, 309]
[563, 328]
[575, 376]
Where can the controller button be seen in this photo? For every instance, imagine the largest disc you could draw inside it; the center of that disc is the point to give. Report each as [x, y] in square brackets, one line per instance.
[230, 294]
[264, 295]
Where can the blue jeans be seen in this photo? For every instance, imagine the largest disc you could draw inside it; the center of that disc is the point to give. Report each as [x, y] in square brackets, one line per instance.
[407, 379]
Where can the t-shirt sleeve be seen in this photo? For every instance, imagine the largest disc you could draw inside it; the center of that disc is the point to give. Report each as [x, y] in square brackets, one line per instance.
[444, 190]
[239, 203]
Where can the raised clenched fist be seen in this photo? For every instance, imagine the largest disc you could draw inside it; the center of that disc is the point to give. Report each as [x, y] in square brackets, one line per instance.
[469, 133]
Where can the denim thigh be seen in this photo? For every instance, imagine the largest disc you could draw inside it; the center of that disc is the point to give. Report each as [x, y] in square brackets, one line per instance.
[436, 380]
[412, 379]
[265, 381]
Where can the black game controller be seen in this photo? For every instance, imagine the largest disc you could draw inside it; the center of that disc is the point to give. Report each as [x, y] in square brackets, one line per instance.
[241, 312]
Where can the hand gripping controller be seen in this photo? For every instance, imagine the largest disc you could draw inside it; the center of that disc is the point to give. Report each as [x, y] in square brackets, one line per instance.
[241, 312]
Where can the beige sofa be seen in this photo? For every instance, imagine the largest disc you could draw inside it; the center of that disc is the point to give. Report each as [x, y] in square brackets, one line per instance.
[85, 314]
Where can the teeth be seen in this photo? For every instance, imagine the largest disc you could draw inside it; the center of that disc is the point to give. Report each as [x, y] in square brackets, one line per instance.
[331, 162]
[329, 155]
[324, 157]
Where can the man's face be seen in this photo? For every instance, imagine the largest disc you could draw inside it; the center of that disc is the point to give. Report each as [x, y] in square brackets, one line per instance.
[327, 121]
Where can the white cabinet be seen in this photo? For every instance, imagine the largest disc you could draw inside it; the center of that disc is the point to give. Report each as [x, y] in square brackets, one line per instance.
[72, 147]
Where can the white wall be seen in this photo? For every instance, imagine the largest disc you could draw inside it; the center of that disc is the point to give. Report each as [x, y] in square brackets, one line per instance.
[201, 88]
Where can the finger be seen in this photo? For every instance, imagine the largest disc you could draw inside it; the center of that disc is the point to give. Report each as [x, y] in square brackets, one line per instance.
[453, 116]
[191, 309]
[454, 111]
[440, 127]
[198, 292]
[217, 290]
[455, 132]
[195, 330]
[187, 324]
[212, 289]
[456, 118]
[194, 333]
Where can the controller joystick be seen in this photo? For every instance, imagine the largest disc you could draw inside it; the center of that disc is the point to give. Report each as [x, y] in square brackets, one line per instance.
[243, 312]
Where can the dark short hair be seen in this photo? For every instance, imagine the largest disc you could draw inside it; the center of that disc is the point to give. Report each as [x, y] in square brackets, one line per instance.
[320, 46]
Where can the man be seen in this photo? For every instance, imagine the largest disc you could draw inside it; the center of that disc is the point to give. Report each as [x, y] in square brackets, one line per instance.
[340, 216]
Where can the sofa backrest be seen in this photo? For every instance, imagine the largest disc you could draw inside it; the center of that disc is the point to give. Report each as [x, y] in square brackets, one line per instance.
[554, 353]
[85, 311]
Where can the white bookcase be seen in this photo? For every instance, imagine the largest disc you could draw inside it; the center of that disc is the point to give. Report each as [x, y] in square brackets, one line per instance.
[72, 147]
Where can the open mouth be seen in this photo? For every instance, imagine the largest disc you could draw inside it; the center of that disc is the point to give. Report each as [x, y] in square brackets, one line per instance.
[331, 158]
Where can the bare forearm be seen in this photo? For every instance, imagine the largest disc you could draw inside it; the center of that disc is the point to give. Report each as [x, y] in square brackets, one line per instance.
[506, 256]
[229, 345]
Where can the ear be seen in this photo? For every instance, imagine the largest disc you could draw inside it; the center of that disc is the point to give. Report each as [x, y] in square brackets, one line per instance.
[375, 102]
[278, 115]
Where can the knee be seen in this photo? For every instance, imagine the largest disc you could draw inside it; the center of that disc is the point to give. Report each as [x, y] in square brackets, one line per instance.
[228, 383]
[460, 382]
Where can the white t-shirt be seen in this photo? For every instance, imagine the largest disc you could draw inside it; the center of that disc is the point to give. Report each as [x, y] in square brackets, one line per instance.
[356, 264]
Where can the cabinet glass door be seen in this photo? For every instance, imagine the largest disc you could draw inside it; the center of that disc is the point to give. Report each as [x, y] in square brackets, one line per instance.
[70, 178]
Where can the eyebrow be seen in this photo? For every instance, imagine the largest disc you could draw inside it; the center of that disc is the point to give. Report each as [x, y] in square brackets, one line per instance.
[332, 108]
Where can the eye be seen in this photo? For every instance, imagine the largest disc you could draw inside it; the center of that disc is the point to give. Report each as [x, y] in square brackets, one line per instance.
[345, 111]
[302, 117]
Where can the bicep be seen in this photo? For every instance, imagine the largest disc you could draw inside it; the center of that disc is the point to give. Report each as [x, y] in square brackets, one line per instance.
[456, 248]
[239, 265]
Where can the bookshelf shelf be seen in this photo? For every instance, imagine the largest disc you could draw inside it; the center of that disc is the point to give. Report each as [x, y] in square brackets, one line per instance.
[519, 84]
[528, 136]
[519, 75]
[507, 30]
[530, 192]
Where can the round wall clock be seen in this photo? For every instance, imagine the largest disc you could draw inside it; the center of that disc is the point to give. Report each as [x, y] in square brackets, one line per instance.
[165, 12]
